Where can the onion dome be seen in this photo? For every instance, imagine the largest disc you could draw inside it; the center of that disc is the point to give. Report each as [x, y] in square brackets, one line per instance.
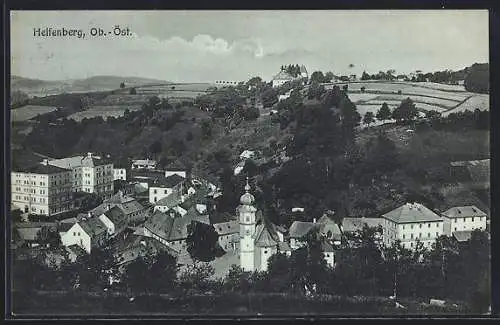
[247, 198]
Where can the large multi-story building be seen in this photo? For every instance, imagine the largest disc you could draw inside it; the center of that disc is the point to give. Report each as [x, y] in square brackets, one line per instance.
[164, 186]
[42, 189]
[90, 173]
[410, 223]
[466, 218]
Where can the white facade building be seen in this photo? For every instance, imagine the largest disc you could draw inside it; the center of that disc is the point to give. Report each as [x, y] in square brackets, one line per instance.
[410, 223]
[144, 164]
[90, 174]
[164, 187]
[119, 174]
[181, 173]
[465, 218]
[42, 189]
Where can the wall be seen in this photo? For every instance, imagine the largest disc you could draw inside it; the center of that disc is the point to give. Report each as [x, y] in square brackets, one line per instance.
[161, 192]
[77, 236]
[426, 232]
[465, 223]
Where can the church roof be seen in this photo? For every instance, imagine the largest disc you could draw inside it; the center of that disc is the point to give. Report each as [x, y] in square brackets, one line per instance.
[265, 236]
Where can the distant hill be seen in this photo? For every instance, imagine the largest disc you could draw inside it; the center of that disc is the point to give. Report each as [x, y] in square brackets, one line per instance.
[37, 87]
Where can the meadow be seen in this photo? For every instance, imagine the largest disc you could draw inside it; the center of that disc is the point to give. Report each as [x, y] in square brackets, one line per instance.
[29, 111]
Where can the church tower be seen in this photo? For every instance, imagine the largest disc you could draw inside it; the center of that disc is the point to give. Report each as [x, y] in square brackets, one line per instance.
[246, 213]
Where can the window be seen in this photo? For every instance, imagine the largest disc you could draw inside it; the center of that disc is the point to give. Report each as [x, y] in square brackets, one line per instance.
[429, 235]
[411, 244]
[166, 191]
[472, 219]
[154, 191]
[74, 233]
[455, 228]
[420, 235]
[455, 220]
[403, 227]
[78, 233]
[428, 225]
[411, 226]
[420, 226]
[265, 252]
[404, 236]
[411, 236]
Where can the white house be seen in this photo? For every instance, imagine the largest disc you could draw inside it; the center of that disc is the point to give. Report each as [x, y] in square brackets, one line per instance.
[170, 172]
[88, 233]
[119, 174]
[161, 188]
[144, 164]
[247, 154]
[285, 96]
[411, 222]
[281, 78]
[465, 218]
[115, 220]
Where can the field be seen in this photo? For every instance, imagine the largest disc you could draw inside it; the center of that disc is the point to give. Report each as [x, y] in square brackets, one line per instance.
[29, 111]
[116, 104]
[479, 101]
[442, 98]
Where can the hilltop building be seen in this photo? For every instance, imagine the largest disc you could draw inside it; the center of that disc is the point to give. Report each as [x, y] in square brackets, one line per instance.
[144, 164]
[42, 189]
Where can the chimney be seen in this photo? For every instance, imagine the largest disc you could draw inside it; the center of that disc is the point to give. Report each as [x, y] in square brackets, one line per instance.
[314, 220]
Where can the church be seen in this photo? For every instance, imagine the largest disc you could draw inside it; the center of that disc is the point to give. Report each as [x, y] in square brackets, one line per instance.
[259, 238]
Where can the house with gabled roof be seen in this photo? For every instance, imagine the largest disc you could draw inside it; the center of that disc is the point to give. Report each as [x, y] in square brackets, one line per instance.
[164, 186]
[115, 220]
[131, 208]
[463, 218]
[87, 233]
[412, 222]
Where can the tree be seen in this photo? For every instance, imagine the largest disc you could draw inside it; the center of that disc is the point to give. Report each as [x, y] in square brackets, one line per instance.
[163, 272]
[251, 113]
[477, 78]
[16, 216]
[156, 147]
[97, 269]
[315, 91]
[328, 76]
[196, 277]
[133, 91]
[48, 236]
[317, 77]
[278, 273]
[202, 242]
[189, 136]
[365, 76]
[368, 118]
[269, 97]
[363, 89]
[206, 128]
[406, 111]
[122, 85]
[136, 276]
[384, 113]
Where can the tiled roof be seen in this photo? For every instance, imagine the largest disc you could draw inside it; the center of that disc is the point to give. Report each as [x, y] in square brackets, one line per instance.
[226, 228]
[117, 217]
[169, 181]
[354, 224]
[170, 201]
[42, 168]
[299, 229]
[28, 234]
[160, 224]
[94, 227]
[79, 161]
[265, 236]
[193, 214]
[65, 226]
[284, 247]
[412, 212]
[325, 219]
[462, 235]
[465, 211]
[144, 162]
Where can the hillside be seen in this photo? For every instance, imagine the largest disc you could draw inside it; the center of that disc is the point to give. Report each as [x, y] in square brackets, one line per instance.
[36, 87]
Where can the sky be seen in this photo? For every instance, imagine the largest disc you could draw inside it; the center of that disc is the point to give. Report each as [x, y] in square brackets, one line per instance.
[204, 46]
